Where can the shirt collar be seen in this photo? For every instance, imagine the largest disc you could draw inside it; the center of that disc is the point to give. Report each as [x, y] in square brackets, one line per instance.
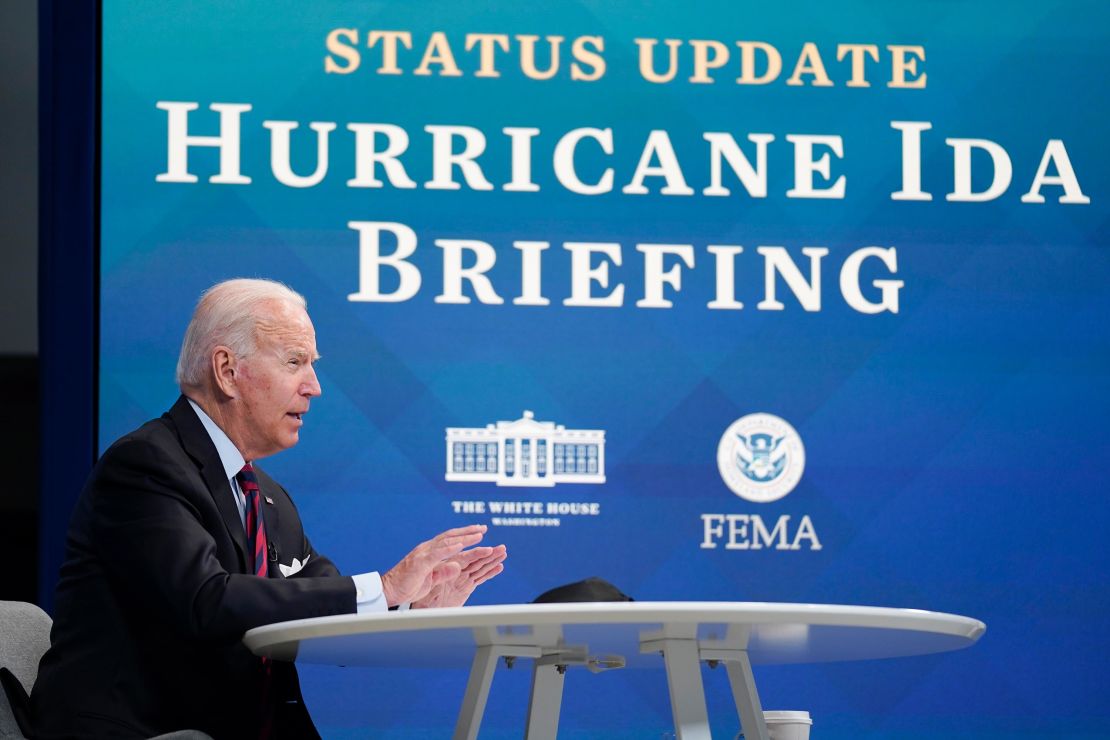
[230, 456]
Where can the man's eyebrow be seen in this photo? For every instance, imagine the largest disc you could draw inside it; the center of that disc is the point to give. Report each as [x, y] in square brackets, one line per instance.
[302, 354]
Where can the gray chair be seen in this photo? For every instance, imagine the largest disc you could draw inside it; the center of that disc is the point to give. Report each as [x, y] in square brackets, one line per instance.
[24, 637]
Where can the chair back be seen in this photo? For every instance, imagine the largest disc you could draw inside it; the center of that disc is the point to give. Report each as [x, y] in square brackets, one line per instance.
[24, 638]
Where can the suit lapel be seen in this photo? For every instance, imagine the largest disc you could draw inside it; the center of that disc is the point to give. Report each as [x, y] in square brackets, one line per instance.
[197, 443]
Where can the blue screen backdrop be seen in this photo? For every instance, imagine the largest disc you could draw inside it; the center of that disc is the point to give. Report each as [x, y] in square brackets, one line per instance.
[953, 447]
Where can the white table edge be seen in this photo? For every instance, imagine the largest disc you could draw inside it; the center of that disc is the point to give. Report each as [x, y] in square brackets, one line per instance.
[638, 612]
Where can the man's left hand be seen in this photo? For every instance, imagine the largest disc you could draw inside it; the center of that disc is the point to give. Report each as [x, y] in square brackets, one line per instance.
[476, 566]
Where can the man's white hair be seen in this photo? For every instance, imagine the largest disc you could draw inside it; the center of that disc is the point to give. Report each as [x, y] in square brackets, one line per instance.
[227, 314]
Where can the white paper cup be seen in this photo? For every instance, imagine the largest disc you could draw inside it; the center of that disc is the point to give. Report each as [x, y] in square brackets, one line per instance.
[783, 725]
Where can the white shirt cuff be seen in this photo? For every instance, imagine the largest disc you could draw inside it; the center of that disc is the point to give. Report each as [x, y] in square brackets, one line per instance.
[369, 597]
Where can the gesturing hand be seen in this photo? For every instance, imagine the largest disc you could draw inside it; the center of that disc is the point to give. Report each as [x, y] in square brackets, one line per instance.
[476, 566]
[430, 564]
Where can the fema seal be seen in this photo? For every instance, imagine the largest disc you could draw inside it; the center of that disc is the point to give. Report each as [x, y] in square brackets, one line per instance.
[761, 458]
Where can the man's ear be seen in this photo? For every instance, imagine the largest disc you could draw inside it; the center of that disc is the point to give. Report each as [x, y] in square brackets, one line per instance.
[225, 371]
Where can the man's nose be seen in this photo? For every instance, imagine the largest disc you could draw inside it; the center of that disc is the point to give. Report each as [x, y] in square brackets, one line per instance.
[311, 385]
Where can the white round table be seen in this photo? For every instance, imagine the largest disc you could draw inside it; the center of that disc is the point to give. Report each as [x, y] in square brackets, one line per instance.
[602, 636]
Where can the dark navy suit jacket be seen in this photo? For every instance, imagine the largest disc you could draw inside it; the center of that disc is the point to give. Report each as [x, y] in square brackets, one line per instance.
[154, 598]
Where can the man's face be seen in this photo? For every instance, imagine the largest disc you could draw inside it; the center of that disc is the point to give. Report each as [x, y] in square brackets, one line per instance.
[278, 381]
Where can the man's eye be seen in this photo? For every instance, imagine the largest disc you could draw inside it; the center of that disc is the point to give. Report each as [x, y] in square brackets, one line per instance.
[294, 362]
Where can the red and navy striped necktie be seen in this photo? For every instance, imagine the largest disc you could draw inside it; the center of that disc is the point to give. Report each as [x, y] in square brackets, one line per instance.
[257, 562]
[256, 532]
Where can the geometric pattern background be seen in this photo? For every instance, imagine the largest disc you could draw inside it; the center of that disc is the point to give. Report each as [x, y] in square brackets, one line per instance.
[954, 450]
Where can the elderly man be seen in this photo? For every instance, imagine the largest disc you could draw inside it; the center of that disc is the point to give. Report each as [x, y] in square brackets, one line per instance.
[180, 543]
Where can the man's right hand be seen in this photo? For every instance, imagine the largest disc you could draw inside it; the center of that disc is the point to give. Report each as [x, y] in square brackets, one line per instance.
[429, 565]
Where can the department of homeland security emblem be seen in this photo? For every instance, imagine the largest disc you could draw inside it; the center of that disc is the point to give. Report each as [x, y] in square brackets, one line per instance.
[761, 458]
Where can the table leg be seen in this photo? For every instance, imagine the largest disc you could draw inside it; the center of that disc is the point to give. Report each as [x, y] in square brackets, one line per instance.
[546, 701]
[691, 721]
[477, 691]
[740, 676]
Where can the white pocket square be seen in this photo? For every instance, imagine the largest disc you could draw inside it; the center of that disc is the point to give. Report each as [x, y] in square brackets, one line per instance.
[294, 567]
